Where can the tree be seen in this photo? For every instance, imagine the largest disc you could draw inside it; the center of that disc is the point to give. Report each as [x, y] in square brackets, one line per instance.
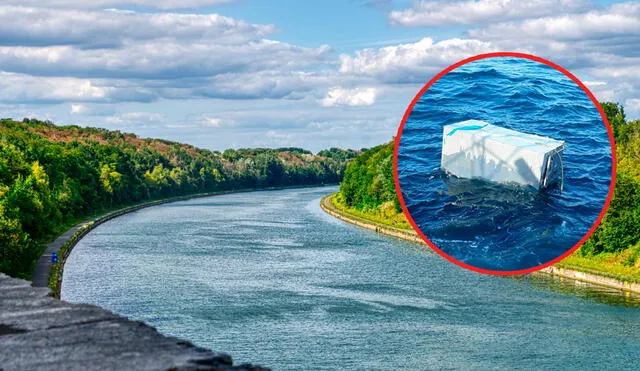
[52, 175]
[110, 180]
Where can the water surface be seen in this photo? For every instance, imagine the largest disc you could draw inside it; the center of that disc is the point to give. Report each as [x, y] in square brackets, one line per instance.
[495, 226]
[272, 279]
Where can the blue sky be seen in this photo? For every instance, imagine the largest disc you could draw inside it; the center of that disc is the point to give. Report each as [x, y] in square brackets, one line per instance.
[346, 25]
[246, 73]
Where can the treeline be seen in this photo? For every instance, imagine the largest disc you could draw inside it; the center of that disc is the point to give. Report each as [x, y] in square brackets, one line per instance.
[368, 180]
[620, 228]
[368, 188]
[368, 185]
[53, 175]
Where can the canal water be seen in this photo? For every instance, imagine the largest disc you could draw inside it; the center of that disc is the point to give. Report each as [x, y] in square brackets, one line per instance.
[271, 279]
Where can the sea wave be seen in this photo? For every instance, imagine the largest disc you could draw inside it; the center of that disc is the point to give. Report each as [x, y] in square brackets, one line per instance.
[496, 226]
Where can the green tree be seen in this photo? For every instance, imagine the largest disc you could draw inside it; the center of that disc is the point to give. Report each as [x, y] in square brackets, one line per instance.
[110, 179]
[51, 175]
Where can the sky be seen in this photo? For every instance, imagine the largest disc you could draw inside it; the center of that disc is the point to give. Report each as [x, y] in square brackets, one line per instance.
[257, 73]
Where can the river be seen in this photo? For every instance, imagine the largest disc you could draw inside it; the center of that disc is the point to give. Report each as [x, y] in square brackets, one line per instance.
[271, 279]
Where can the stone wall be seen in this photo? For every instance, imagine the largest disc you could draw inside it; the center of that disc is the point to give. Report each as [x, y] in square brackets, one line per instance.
[38, 332]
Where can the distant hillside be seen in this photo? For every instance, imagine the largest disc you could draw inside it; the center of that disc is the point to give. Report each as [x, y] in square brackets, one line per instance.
[368, 189]
[52, 176]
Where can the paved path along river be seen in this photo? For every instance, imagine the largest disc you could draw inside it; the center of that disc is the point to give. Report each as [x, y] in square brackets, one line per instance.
[272, 279]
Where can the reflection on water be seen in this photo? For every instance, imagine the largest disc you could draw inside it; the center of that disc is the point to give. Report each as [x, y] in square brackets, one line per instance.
[583, 290]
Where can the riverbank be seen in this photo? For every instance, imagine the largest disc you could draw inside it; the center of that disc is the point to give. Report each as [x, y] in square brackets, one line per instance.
[560, 270]
[49, 274]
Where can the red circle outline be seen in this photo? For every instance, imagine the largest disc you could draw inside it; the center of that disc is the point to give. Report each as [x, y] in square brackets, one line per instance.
[410, 109]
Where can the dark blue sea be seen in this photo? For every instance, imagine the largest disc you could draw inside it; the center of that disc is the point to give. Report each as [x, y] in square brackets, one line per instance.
[501, 226]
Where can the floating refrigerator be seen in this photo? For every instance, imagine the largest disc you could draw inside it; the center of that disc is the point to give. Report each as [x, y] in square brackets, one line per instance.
[478, 149]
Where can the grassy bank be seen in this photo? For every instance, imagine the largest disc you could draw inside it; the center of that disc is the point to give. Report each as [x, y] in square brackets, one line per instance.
[385, 214]
[607, 265]
[611, 265]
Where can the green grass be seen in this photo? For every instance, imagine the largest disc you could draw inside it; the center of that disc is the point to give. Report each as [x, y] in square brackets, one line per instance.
[610, 265]
[385, 214]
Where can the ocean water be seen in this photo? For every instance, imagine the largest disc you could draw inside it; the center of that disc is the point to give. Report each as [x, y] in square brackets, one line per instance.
[272, 279]
[502, 226]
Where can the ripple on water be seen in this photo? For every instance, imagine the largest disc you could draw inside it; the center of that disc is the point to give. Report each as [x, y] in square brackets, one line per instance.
[347, 298]
[495, 226]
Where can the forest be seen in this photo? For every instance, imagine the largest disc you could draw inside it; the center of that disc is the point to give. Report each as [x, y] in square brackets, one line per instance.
[53, 176]
[368, 187]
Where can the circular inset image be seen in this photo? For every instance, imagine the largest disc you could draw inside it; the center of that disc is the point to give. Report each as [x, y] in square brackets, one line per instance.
[504, 163]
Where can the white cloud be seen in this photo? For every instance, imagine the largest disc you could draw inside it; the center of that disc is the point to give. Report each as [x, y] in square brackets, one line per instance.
[114, 28]
[132, 45]
[592, 84]
[144, 56]
[598, 45]
[439, 13]
[632, 107]
[413, 62]
[158, 59]
[158, 46]
[266, 84]
[593, 25]
[22, 88]
[78, 108]
[131, 119]
[630, 73]
[350, 97]
[83, 109]
[214, 122]
[25, 88]
[597, 39]
[160, 4]
[92, 60]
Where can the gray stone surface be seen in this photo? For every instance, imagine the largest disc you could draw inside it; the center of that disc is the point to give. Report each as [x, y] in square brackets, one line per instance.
[38, 332]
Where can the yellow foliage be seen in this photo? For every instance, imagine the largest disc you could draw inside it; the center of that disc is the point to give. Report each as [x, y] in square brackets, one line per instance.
[39, 175]
[109, 177]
